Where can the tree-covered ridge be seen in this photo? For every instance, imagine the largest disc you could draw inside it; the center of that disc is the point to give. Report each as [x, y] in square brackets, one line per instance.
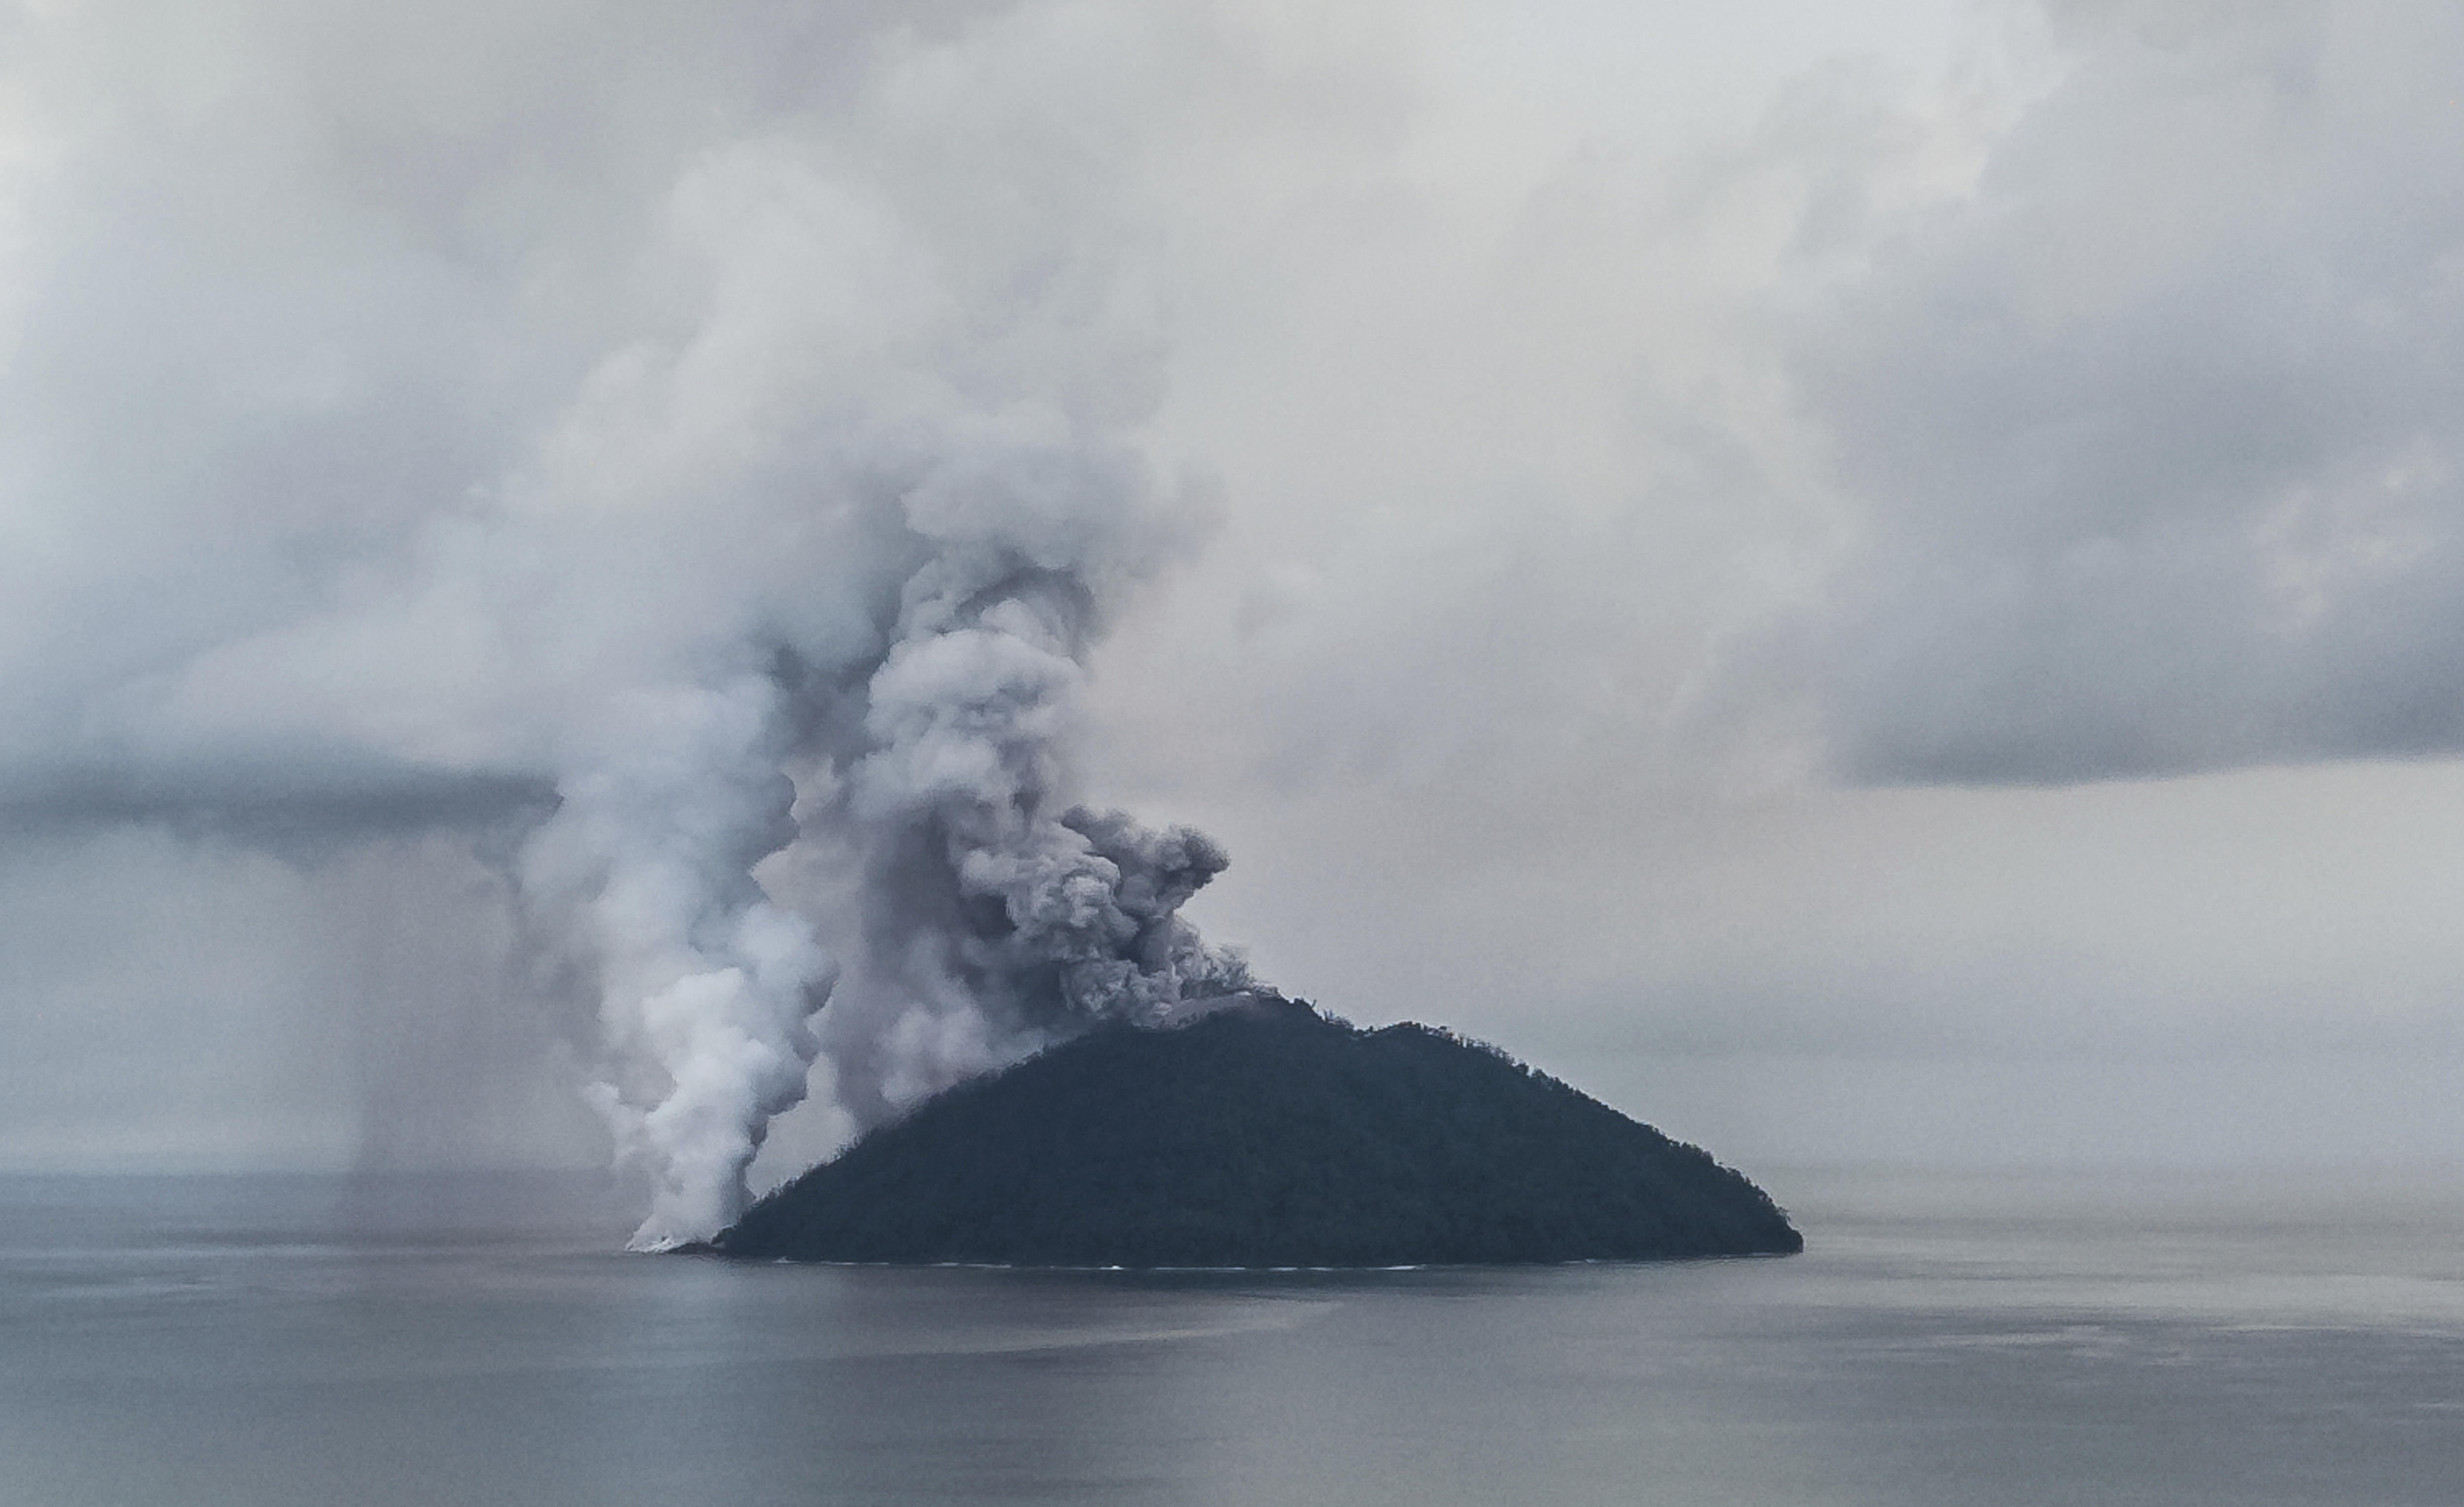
[1264, 1135]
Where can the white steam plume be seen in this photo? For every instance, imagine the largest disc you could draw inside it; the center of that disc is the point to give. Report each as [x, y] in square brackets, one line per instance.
[705, 983]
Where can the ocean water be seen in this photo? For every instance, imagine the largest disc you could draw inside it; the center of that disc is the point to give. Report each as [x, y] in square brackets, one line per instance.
[1944, 1339]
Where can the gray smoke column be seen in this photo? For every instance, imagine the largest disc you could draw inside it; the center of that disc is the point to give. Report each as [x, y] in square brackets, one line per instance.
[992, 913]
[691, 449]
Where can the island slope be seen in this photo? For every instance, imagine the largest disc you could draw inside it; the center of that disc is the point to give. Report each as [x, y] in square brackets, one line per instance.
[1264, 1135]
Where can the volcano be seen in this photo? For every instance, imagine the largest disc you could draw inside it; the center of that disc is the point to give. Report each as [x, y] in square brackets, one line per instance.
[1261, 1133]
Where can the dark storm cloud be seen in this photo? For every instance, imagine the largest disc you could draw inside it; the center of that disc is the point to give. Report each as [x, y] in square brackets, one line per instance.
[2158, 439]
[294, 809]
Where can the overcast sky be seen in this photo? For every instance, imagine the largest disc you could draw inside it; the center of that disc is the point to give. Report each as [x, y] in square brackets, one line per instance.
[1872, 581]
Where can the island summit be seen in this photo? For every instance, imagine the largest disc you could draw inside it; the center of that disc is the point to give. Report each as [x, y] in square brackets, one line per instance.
[1261, 1133]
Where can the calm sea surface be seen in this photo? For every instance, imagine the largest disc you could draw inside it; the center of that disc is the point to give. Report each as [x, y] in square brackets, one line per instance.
[1969, 1341]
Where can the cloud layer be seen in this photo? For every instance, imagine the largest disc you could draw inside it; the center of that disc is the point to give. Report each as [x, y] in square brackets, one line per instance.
[2156, 433]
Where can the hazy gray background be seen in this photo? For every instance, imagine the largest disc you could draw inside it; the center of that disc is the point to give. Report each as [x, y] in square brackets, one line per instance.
[1872, 581]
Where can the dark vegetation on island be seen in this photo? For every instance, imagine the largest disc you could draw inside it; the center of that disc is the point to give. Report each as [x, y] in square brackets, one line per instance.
[1264, 1135]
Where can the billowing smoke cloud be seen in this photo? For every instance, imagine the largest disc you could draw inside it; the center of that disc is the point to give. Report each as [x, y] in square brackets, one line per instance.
[979, 914]
[704, 473]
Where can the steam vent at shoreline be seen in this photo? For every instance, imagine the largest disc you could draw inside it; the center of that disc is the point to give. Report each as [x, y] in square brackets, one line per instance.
[1261, 1133]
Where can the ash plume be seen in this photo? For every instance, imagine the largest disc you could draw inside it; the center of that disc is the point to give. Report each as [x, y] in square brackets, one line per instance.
[992, 912]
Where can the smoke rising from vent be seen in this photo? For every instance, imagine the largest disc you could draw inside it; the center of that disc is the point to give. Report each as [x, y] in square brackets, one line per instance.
[983, 914]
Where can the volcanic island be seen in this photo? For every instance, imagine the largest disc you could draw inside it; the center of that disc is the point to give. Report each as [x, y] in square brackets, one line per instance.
[1260, 1132]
